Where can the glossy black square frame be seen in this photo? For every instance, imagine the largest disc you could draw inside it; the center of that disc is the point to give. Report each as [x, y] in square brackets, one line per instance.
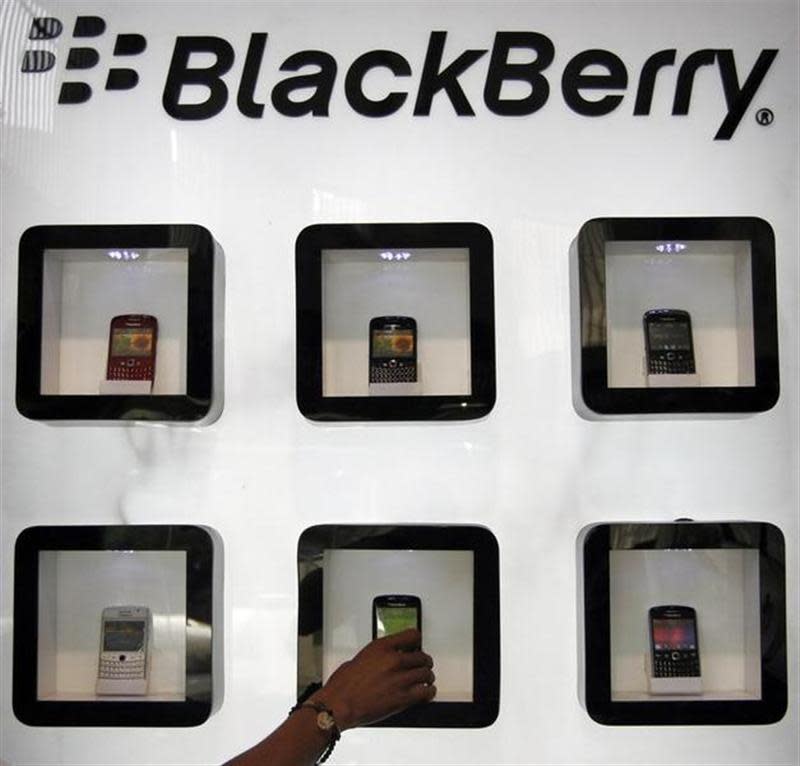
[197, 544]
[191, 406]
[769, 542]
[483, 710]
[604, 400]
[308, 263]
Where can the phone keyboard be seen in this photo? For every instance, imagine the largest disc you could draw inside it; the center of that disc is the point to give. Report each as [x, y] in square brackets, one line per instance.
[666, 666]
[122, 666]
[404, 374]
[119, 372]
[671, 366]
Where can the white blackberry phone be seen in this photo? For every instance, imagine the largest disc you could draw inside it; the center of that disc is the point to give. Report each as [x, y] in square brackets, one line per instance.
[124, 663]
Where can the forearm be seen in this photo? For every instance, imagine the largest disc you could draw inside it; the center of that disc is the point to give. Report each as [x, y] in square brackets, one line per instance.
[386, 676]
[298, 741]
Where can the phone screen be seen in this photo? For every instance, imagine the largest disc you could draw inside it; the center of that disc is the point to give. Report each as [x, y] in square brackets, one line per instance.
[131, 341]
[674, 634]
[123, 636]
[669, 336]
[392, 342]
[394, 619]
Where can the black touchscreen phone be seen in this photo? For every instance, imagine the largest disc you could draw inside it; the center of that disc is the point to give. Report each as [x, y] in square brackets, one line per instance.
[395, 613]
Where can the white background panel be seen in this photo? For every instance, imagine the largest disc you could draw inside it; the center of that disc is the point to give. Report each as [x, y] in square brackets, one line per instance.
[722, 587]
[706, 284]
[443, 581]
[432, 288]
[87, 289]
[77, 585]
[532, 471]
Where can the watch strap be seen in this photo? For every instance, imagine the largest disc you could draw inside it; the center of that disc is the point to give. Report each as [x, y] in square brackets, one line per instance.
[333, 730]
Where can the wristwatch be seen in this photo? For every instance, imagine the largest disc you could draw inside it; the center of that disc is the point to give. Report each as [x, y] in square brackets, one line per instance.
[325, 722]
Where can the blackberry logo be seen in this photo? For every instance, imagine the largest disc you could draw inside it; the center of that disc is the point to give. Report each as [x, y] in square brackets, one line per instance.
[81, 57]
[592, 83]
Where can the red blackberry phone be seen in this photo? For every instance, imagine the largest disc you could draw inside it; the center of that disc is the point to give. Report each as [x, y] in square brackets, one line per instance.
[132, 347]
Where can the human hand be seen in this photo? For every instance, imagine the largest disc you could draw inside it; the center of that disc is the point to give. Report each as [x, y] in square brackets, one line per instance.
[388, 675]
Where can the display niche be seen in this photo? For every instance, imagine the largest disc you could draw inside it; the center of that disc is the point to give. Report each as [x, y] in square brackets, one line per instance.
[395, 321]
[120, 323]
[359, 582]
[684, 623]
[677, 315]
[117, 626]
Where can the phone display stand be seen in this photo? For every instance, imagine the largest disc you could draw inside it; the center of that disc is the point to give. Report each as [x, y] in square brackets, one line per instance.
[74, 280]
[125, 387]
[119, 689]
[67, 578]
[451, 570]
[436, 279]
[394, 389]
[675, 687]
[732, 574]
[631, 276]
[684, 380]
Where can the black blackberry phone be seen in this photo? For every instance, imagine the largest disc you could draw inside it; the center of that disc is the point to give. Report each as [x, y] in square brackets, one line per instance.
[668, 341]
[395, 613]
[673, 642]
[392, 349]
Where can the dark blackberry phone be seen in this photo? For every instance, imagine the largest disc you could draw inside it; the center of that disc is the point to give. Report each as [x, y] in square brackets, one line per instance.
[395, 613]
[673, 642]
[392, 349]
[668, 341]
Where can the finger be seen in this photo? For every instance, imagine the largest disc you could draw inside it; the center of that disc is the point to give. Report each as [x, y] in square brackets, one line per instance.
[406, 660]
[408, 639]
[421, 693]
[414, 695]
[418, 676]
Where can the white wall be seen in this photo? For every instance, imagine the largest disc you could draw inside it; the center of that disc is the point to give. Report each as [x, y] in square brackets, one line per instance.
[533, 471]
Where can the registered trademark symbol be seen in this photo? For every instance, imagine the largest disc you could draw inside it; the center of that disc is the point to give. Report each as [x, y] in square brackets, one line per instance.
[765, 117]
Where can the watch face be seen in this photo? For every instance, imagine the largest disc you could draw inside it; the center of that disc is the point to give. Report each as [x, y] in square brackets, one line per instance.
[325, 720]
